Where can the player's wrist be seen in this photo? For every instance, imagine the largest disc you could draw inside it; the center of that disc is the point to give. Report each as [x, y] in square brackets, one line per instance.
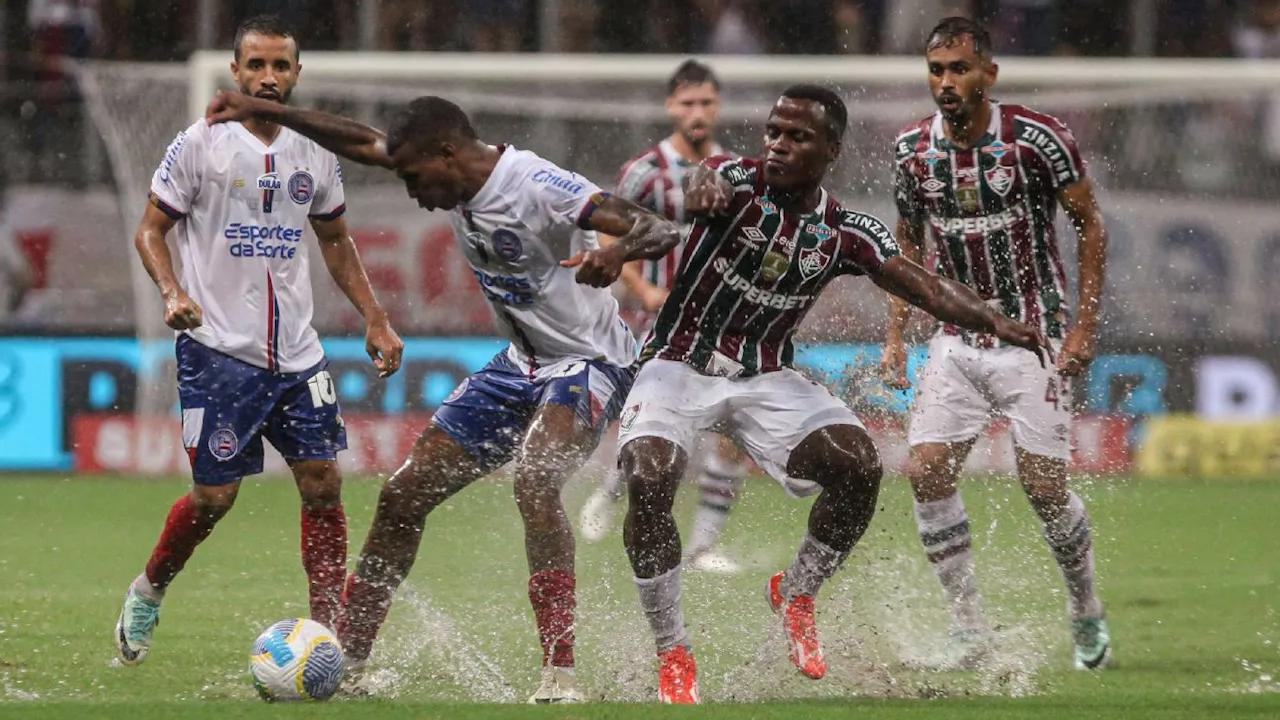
[375, 316]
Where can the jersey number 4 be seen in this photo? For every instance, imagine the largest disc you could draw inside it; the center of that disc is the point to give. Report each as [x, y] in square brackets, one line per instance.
[322, 390]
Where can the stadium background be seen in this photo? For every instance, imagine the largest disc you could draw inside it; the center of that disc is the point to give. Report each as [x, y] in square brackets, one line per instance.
[1186, 176]
[1174, 102]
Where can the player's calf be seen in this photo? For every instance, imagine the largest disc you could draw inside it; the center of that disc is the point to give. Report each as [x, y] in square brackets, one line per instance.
[435, 470]
[324, 536]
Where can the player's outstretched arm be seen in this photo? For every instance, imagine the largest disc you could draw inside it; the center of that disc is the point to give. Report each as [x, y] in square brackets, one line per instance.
[651, 296]
[349, 138]
[1081, 344]
[382, 343]
[180, 311]
[954, 303]
[893, 366]
[641, 235]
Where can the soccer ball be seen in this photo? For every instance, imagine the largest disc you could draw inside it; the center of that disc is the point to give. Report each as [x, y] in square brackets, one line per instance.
[296, 659]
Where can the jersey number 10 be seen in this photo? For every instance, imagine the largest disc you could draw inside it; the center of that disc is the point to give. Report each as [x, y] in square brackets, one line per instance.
[322, 391]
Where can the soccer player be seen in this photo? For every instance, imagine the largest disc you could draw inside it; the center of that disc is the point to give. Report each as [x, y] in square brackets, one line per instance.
[767, 239]
[984, 180]
[655, 180]
[250, 366]
[545, 400]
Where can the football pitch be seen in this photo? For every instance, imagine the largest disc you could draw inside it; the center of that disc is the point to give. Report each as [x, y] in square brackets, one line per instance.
[1189, 571]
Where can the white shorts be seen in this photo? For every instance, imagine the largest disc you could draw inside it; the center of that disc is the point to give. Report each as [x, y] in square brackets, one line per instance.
[768, 414]
[963, 388]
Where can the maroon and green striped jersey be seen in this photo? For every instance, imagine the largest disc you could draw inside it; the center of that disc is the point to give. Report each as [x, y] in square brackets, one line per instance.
[654, 180]
[749, 275]
[990, 209]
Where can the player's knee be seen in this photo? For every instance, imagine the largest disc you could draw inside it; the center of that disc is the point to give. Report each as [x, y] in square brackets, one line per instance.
[651, 466]
[319, 484]
[212, 502]
[932, 469]
[537, 493]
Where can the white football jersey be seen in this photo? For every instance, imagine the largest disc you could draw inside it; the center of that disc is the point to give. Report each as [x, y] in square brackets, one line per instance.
[242, 208]
[529, 216]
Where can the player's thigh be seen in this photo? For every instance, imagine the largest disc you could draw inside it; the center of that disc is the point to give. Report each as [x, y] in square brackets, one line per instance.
[773, 413]
[1036, 400]
[674, 402]
[948, 406]
[488, 413]
[225, 404]
[577, 399]
[305, 423]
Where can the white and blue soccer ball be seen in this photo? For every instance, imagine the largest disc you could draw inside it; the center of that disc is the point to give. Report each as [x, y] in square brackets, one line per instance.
[296, 659]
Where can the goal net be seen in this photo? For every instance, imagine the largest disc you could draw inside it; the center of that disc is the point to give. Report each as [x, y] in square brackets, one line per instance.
[1171, 133]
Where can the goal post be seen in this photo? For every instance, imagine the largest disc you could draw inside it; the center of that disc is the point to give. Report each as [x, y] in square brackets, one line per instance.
[1197, 129]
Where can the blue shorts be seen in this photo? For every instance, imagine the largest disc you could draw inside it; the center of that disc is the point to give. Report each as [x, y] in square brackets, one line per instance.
[228, 406]
[489, 412]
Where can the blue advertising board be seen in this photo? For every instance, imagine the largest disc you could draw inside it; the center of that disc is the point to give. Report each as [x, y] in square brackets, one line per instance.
[46, 382]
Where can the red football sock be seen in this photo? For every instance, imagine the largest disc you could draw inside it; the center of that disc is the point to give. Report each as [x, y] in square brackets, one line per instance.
[324, 557]
[363, 609]
[184, 529]
[551, 592]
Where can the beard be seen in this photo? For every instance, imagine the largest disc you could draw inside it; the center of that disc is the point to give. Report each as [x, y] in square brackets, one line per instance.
[697, 136]
[274, 96]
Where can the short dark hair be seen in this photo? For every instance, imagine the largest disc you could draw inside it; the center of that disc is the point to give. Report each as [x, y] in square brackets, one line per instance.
[692, 72]
[427, 122]
[837, 115]
[269, 25]
[954, 29]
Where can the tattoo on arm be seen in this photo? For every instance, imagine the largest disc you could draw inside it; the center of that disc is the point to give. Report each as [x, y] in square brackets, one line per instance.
[641, 235]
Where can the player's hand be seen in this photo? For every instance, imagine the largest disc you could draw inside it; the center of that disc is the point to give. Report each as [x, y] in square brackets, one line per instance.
[384, 346]
[893, 366]
[598, 268]
[1078, 350]
[709, 198]
[1025, 336]
[228, 106]
[653, 297]
[181, 312]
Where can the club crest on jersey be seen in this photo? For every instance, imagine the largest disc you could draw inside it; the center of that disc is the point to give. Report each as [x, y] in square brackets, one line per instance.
[996, 149]
[813, 261]
[773, 266]
[224, 444]
[999, 179]
[270, 181]
[301, 187]
[458, 391]
[628, 418]
[506, 244]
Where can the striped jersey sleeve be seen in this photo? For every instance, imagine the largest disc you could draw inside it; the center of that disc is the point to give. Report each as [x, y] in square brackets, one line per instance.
[905, 191]
[868, 243]
[1053, 146]
[638, 181]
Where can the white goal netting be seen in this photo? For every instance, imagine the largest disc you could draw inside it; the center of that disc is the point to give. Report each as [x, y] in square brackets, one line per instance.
[1158, 135]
